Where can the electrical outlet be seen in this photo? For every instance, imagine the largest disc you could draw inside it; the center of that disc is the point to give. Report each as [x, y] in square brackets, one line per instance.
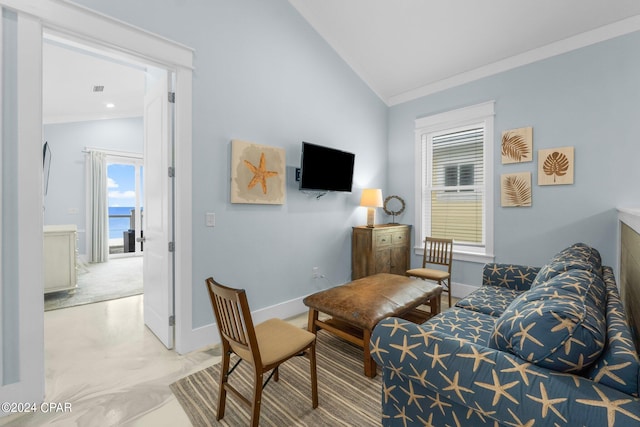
[316, 272]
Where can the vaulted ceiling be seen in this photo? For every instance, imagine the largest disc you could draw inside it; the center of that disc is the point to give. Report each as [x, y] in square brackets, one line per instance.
[402, 49]
[407, 48]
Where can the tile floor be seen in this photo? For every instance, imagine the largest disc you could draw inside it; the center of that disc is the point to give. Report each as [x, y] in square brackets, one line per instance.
[103, 361]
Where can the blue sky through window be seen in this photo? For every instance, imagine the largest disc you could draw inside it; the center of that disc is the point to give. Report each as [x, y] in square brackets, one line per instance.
[121, 185]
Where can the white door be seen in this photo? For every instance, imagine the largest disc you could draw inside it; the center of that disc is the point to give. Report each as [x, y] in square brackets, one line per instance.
[158, 263]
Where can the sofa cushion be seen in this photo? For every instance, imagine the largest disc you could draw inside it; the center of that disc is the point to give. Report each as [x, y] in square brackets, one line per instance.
[618, 366]
[510, 276]
[464, 324]
[578, 256]
[559, 325]
[491, 300]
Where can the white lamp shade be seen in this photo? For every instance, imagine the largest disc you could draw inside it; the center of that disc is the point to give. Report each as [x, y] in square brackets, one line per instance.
[371, 197]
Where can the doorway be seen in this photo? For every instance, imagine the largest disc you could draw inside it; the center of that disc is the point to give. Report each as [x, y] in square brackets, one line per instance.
[125, 195]
[127, 117]
[28, 21]
[92, 98]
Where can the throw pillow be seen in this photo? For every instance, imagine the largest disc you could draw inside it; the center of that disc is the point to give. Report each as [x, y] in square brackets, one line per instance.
[559, 325]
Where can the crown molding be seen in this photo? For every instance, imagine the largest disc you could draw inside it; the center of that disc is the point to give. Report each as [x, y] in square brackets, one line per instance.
[59, 119]
[607, 32]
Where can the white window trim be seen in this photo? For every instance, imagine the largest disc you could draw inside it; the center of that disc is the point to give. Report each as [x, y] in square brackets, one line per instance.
[484, 113]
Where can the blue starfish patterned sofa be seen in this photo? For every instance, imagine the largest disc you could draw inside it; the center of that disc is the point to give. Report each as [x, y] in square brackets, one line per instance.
[546, 346]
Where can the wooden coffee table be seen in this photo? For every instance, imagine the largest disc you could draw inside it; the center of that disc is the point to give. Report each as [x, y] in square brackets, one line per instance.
[355, 308]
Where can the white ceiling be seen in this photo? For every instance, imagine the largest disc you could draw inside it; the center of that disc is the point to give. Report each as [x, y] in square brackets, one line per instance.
[408, 48]
[402, 49]
[70, 72]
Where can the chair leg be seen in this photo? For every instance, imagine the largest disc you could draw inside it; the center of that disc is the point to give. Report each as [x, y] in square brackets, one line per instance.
[224, 377]
[257, 398]
[448, 287]
[314, 375]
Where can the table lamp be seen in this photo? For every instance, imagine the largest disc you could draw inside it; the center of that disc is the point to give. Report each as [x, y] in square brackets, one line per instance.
[372, 199]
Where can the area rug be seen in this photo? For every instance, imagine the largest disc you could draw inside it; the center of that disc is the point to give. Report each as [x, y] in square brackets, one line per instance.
[114, 279]
[345, 396]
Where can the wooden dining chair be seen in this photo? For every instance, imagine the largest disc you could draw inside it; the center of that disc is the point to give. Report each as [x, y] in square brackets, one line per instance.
[265, 346]
[436, 252]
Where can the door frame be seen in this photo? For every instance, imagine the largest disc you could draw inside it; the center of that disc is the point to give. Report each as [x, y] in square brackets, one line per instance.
[118, 37]
[30, 315]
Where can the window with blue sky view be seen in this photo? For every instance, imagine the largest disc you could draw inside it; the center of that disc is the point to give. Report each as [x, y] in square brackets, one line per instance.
[121, 190]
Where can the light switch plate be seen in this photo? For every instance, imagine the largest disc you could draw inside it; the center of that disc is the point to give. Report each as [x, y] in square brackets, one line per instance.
[210, 219]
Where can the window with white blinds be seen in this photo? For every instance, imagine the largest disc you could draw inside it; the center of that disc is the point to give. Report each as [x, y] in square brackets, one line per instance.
[454, 195]
[454, 190]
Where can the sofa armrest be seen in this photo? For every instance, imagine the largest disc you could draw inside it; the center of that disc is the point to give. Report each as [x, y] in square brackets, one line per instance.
[492, 383]
[510, 276]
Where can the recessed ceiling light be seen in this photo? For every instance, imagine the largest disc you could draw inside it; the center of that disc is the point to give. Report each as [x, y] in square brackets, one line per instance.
[110, 105]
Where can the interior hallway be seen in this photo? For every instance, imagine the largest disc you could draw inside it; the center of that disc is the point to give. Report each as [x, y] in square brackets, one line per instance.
[102, 360]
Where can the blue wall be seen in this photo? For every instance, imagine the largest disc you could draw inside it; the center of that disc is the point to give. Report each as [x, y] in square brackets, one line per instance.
[586, 98]
[262, 74]
[67, 179]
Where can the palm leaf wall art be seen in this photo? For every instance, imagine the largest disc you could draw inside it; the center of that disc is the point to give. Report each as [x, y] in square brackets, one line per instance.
[515, 189]
[517, 145]
[555, 166]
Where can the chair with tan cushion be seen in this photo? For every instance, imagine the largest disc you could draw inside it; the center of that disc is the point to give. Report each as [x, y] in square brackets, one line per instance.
[265, 346]
[437, 252]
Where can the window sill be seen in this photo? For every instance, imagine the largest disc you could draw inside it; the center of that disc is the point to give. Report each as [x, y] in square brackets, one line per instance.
[458, 255]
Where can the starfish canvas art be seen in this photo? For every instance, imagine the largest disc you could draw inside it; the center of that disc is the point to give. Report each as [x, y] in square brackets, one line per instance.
[258, 173]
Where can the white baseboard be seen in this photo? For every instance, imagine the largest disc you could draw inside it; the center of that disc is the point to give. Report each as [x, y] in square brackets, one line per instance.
[460, 290]
[207, 335]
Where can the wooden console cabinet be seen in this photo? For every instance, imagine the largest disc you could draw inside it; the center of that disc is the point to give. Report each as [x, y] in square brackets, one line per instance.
[381, 249]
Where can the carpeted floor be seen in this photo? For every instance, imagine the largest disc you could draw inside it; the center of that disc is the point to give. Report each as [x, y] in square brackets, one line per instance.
[116, 278]
[346, 397]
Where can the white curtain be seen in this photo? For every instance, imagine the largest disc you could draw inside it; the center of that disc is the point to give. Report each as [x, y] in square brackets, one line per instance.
[99, 226]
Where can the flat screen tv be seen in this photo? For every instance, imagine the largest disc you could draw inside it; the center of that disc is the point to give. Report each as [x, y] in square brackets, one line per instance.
[325, 169]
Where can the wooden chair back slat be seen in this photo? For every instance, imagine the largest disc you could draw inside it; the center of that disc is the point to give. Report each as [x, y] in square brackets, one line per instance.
[238, 335]
[437, 251]
[230, 320]
[231, 309]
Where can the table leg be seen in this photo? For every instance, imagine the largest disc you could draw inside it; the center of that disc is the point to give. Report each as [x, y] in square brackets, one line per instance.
[370, 366]
[435, 304]
[311, 325]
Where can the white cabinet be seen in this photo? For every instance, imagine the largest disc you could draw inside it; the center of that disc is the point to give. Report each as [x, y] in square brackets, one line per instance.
[59, 257]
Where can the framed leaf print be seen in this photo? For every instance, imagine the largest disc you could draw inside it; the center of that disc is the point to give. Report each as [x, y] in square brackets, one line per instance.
[517, 145]
[515, 189]
[257, 173]
[555, 166]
